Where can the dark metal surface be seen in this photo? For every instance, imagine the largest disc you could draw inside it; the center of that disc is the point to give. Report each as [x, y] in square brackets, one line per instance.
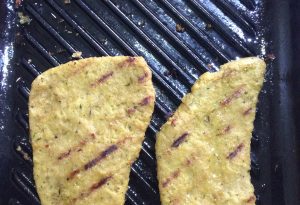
[215, 31]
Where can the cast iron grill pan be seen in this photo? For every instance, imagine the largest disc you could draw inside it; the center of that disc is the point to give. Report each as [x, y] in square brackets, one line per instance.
[209, 33]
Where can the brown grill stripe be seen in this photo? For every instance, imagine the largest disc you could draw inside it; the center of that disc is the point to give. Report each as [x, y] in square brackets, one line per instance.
[76, 148]
[251, 199]
[173, 122]
[103, 78]
[100, 183]
[92, 188]
[93, 162]
[225, 130]
[125, 139]
[143, 78]
[247, 112]
[145, 101]
[129, 61]
[236, 94]
[169, 179]
[130, 111]
[100, 157]
[73, 174]
[186, 163]
[180, 140]
[64, 155]
[236, 151]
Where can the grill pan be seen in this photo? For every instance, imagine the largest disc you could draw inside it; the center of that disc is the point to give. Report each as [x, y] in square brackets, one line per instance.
[180, 40]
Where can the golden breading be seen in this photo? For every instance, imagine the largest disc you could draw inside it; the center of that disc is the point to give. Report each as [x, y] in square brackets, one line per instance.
[87, 123]
[203, 151]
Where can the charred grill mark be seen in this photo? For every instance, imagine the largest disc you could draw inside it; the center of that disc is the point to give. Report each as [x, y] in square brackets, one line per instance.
[130, 111]
[93, 135]
[236, 151]
[225, 130]
[103, 78]
[100, 183]
[174, 122]
[236, 94]
[143, 78]
[174, 175]
[189, 161]
[145, 101]
[247, 112]
[76, 148]
[251, 199]
[227, 73]
[93, 162]
[175, 201]
[92, 188]
[73, 174]
[121, 142]
[129, 61]
[76, 71]
[64, 155]
[82, 143]
[100, 157]
[179, 140]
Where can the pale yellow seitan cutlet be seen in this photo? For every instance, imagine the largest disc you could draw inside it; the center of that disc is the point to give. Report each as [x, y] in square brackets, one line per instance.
[203, 151]
[87, 123]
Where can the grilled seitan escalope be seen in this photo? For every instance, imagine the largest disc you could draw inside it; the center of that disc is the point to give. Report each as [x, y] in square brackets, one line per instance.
[203, 151]
[87, 122]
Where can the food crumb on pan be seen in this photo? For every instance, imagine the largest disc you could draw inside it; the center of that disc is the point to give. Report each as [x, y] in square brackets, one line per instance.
[77, 55]
[23, 18]
[270, 57]
[18, 3]
[180, 28]
[208, 26]
[24, 154]
[67, 1]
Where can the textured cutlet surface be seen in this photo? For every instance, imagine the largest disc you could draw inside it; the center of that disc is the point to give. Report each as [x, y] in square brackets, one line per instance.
[87, 123]
[203, 151]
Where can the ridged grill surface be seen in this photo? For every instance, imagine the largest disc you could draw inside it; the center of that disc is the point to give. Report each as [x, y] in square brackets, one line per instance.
[215, 31]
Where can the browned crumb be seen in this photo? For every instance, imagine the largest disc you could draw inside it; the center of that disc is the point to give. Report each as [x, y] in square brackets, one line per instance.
[77, 55]
[180, 28]
[24, 154]
[18, 3]
[208, 26]
[23, 19]
[270, 57]
[67, 1]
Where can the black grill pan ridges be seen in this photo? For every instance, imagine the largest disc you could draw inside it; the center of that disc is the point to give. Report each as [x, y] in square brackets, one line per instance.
[216, 31]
